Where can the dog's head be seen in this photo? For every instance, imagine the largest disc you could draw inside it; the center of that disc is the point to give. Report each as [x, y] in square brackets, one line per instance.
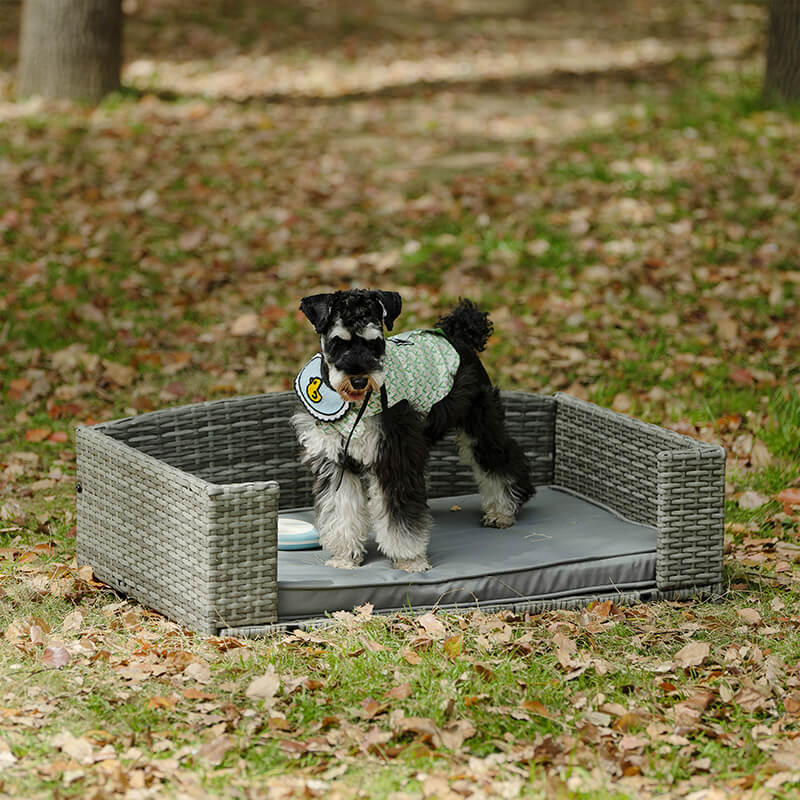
[350, 325]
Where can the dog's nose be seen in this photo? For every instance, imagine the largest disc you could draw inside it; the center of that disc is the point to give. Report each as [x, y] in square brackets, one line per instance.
[359, 382]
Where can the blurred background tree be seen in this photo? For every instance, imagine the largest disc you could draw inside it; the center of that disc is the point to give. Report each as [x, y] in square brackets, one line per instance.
[70, 49]
[783, 52]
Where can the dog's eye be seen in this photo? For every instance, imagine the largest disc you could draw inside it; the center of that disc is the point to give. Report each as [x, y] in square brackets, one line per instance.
[376, 346]
[336, 344]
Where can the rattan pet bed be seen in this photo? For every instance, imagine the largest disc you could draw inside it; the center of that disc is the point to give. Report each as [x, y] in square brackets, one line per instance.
[178, 509]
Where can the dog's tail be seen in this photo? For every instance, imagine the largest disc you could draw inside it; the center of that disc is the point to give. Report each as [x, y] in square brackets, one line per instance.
[467, 325]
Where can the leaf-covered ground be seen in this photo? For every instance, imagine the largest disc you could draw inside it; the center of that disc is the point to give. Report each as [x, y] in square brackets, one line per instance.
[604, 178]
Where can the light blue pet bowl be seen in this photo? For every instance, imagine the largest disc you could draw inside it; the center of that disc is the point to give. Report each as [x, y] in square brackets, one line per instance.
[296, 534]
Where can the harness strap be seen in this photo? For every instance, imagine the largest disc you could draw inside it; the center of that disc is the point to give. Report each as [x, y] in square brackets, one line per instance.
[361, 411]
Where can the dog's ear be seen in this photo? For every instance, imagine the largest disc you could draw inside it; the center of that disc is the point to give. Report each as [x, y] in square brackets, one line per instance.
[317, 307]
[392, 303]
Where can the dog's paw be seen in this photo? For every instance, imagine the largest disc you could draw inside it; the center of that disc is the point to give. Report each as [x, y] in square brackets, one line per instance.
[418, 564]
[496, 519]
[342, 562]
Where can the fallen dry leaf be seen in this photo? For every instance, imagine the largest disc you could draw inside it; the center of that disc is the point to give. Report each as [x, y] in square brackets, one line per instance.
[760, 455]
[422, 726]
[37, 434]
[410, 656]
[565, 649]
[372, 708]
[214, 752]
[198, 671]
[162, 702]
[56, 655]
[622, 403]
[453, 645]
[453, 735]
[742, 377]
[787, 755]
[751, 500]
[484, 671]
[693, 654]
[196, 694]
[78, 748]
[792, 703]
[118, 374]
[789, 497]
[292, 747]
[536, 707]
[750, 616]
[433, 626]
[400, 692]
[689, 712]
[631, 742]
[749, 699]
[73, 622]
[246, 325]
[190, 240]
[7, 758]
[264, 687]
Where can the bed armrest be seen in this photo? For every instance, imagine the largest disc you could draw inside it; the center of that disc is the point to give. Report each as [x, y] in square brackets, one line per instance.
[691, 518]
[202, 553]
[649, 475]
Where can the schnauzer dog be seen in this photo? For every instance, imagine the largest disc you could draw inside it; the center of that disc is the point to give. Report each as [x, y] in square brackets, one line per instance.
[413, 388]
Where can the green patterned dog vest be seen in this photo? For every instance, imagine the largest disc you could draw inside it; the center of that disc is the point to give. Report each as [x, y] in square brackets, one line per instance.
[419, 367]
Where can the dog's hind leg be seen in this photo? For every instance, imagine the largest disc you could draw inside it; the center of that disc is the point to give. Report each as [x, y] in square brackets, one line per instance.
[499, 464]
[397, 493]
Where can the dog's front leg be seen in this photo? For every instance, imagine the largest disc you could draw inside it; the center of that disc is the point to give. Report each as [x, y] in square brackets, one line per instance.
[341, 516]
[397, 493]
[341, 507]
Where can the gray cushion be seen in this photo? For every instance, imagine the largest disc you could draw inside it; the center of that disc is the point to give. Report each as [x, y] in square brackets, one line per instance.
[561, 546]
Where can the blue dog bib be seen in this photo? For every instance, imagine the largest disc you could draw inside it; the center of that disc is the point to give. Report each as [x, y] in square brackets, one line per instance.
[319, 399]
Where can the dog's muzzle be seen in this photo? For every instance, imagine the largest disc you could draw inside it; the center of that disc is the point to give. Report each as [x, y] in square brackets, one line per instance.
[354, 387]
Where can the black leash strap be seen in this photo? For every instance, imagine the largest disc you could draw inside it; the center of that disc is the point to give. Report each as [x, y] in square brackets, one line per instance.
[361, 411]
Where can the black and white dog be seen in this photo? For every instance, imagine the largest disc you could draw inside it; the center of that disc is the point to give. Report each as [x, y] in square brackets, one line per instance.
[373, 406]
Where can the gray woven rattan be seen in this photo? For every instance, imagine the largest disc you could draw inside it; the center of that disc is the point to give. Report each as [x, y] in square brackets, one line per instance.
[178, 508]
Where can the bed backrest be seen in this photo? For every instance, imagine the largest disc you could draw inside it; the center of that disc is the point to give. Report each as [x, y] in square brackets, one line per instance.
[245, 439]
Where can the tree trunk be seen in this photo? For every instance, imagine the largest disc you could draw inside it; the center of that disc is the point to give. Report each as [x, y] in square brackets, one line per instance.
[783, 52]
[70, 49]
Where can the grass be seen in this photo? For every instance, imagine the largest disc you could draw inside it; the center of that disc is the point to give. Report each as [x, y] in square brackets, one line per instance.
[620, 301]
[485, 681]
